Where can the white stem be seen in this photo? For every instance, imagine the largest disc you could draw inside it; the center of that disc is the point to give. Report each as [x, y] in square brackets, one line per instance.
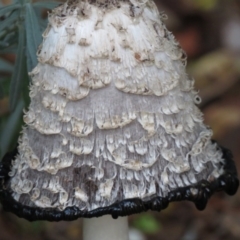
[105, 228]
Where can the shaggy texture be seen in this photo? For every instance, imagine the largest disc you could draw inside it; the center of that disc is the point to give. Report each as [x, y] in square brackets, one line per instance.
[113, 114]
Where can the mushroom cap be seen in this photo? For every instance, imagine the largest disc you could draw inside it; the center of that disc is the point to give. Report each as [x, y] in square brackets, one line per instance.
[113, 126]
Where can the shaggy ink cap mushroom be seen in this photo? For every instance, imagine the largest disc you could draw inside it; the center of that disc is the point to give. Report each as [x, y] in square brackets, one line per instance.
[113, 126]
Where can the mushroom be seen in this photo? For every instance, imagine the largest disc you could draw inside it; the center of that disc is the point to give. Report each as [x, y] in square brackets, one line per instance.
[112, 127]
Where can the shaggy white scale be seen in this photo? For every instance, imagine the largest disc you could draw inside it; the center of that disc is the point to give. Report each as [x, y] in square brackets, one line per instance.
[113, 113]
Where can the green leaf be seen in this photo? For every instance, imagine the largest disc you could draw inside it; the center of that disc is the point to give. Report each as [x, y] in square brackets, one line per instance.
[43, 24]
[8, 133]
[4, 92]
[9, 40]
[30, 64]
[48, 5]
[3, 44]
[5, 66]
[10, 49]
[33, 34]
[147, 224]
[25, 88]
[9, 8]
[9, 20]
[8, 31]
[1, 91]
[16, 81]
[22, 1]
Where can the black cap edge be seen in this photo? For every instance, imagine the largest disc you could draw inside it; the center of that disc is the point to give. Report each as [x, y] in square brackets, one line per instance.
[203, 190]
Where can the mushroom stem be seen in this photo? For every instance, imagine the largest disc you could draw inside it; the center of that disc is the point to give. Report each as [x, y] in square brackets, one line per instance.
[105, 228]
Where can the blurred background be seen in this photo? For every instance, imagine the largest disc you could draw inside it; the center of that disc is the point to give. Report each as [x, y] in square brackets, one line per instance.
[209, 32]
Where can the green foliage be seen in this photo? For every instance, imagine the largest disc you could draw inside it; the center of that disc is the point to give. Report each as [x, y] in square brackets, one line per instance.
[20, 34]
[5, 66]
[33, 35]
[206, 4]
[147, 224]
[49, 5]
[8, 9]
[16, 80]
[9, 132]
